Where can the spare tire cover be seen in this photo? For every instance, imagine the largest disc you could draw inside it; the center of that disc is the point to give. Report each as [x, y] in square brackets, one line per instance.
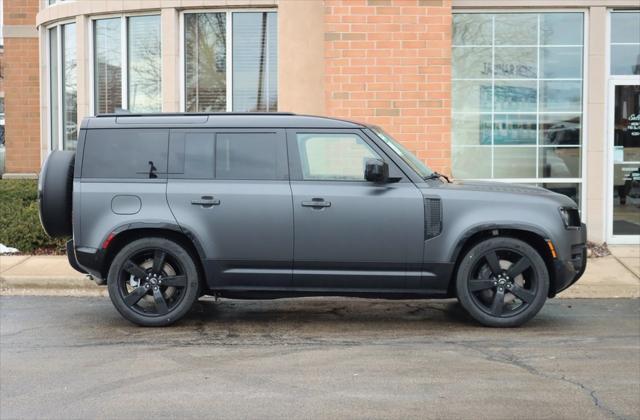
[55, 189]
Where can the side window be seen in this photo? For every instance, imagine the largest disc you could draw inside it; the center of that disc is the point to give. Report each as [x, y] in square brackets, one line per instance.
[333, 157]
[248, 156]
[125, 153]
[191, 155]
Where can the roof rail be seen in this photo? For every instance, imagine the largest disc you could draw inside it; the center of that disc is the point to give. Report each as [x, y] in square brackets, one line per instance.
[170, 114]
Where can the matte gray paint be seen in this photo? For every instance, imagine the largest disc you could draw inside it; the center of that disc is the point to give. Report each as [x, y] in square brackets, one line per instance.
[259, 236]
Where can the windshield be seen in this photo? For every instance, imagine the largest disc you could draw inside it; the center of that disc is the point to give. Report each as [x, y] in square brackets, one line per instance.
[408, 157]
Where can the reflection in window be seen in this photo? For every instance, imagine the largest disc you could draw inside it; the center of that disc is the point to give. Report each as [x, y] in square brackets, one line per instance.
[340, 157]
[70, 84]
[143, 52]
[54, 88]
[205, 40]
[63, 87]
[255, 71]
[625, 43]
[517, 96]
[107, 65]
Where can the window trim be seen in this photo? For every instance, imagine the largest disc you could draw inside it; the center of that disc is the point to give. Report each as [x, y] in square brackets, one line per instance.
[228, 48]
[583, 179]
[59, 80]
[124, 56]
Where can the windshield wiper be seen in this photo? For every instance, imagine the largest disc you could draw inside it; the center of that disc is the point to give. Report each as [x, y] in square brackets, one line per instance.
[436, 175]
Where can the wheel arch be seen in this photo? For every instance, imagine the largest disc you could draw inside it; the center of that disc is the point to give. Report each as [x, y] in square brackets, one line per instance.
[126, 234]
[531, 235]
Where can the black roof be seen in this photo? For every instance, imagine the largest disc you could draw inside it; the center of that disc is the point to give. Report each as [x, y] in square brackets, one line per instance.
[216, 120]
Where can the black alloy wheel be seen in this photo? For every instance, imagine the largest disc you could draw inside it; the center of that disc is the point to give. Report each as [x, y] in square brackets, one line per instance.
[502, 282]
[153, 282]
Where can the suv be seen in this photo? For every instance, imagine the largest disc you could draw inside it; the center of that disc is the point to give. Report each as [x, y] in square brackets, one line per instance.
[166, 208]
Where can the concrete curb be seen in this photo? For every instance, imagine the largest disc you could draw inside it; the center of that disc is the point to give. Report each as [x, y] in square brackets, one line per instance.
[50, 282]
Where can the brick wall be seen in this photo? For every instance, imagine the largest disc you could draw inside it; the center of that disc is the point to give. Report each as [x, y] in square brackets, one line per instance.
[22, 91]
[388, 62]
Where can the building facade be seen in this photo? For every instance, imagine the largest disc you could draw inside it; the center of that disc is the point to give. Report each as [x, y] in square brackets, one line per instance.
[538, 92]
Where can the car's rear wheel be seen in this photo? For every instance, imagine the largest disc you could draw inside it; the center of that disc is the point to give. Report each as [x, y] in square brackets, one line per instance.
[502, 282]
[153, 282]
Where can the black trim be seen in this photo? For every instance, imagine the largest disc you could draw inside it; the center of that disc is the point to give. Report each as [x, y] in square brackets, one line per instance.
[569, 272]
[462, 239]
[71, 256]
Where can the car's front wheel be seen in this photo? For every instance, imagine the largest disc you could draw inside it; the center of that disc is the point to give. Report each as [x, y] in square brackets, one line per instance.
[153, 282]
[502, 282]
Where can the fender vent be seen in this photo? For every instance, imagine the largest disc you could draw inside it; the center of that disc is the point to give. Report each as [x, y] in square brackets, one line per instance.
[432, 217]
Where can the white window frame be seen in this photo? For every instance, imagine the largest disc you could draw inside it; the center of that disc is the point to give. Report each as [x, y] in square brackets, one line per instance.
[124, 38]
[612, 82]
[228, 52]
[582, 180]
[58, 26]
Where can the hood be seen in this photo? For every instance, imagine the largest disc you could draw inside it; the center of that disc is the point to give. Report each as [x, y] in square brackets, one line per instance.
[493, 186]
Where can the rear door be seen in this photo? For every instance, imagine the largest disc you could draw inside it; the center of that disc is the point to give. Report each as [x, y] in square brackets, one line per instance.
[230, 190]
[351, 233]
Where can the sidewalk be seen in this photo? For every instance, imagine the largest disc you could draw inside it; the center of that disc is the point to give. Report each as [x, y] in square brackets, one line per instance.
[615, 276]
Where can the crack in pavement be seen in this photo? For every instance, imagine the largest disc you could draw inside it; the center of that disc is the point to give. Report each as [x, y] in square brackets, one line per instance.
[513, 360]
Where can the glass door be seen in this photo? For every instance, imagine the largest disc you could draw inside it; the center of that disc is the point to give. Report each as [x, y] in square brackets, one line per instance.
[625, 162]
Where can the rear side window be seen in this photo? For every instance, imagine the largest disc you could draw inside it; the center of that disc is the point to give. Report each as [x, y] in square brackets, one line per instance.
[122, 153]
[247, 156]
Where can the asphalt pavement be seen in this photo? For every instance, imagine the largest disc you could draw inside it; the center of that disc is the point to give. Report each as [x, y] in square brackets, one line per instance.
[75, 357]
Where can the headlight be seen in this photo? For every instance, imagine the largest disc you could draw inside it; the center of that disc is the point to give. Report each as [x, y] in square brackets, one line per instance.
[570, 217]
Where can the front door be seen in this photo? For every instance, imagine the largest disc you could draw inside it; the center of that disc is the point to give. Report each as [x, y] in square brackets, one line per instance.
[625, 152]
[230, 190]
[350, 233]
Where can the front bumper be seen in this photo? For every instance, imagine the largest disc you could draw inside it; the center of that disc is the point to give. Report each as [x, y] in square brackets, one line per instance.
[567, 272]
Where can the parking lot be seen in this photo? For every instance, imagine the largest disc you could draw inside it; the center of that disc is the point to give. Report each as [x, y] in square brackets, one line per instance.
[67, 357]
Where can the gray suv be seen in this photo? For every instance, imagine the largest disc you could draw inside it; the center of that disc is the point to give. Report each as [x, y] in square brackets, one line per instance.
[166, 208]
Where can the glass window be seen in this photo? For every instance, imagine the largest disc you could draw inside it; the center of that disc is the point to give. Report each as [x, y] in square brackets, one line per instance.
[252, 84]
[334, 157]
[472, 29]
[518, 121]
[561, 29]
[471, 63]
[63, 87]
[107, 65]
[255, 71]
[125, 153]
[205, 41]
[54, 88]
[625, 43]
[143, 56]
[70, 83]
[247, 156]
[516, 29]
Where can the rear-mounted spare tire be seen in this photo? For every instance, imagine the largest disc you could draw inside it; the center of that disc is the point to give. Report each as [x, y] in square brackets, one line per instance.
[55, 189]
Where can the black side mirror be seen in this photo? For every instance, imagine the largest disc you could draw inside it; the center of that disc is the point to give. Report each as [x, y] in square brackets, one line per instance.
[376, 170]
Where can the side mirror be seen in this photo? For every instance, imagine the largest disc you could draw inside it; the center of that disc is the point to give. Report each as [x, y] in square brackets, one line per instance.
[376, 170]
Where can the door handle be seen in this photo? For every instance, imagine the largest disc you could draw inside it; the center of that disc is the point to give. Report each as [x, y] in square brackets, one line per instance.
[316, 203]
[206, 201]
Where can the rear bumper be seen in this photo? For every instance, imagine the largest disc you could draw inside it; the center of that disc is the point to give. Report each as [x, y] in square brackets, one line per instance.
[567, 272]
[85, 260]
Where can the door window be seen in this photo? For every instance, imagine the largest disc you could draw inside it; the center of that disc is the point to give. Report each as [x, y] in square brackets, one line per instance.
[333, 157]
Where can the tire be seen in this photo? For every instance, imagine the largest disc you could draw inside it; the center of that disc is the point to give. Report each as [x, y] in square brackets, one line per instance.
[55, 193]
[502, 282]
[153, 282]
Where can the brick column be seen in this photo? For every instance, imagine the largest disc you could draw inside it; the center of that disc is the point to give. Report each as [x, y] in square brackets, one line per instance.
[388, 62]
[22, 87]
